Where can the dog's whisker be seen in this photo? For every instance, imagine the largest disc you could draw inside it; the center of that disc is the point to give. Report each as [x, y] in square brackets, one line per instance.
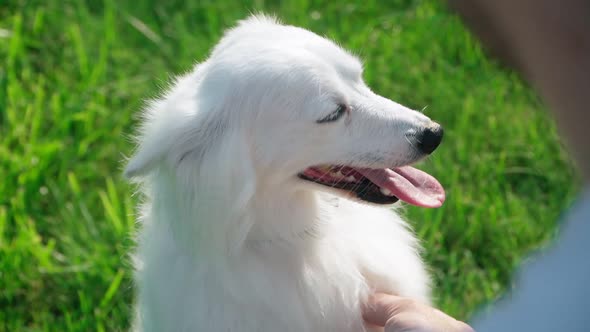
[413, 144]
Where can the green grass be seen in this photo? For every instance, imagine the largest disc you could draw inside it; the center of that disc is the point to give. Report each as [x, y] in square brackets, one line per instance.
[73, 73]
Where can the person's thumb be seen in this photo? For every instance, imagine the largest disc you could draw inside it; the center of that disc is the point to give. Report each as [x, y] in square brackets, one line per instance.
[382, 307]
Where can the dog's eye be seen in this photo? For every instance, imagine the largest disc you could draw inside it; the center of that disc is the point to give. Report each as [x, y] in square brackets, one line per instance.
[337, 114]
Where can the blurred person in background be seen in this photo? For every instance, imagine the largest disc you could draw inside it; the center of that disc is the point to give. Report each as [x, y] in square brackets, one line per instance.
[548, 42]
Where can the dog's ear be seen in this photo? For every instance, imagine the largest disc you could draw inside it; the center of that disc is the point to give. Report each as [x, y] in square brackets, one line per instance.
[170, 135]
[160, 130]
[144, 160]
[147, 155]
[173, 123]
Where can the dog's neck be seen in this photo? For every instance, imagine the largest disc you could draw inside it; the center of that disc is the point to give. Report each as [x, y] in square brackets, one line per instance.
[288, 216]
[204, 222]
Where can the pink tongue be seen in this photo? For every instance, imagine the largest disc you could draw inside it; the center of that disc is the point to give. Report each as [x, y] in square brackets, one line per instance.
[409, 184]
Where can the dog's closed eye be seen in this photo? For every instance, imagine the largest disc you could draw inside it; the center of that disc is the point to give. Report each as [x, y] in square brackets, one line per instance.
[334, 116]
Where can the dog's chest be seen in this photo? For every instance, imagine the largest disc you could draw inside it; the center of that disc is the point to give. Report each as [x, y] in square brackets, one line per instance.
[316, 284]
[317, 288]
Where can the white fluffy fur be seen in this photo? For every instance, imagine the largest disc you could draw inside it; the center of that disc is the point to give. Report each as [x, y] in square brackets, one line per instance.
[231, 239]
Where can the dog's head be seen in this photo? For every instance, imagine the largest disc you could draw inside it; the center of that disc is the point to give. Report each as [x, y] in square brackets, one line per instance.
[289, 108]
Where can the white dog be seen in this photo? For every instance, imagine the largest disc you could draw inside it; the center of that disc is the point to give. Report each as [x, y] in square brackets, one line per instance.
[266, 171]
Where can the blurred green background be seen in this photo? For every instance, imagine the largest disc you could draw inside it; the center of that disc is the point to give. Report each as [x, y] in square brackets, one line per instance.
[73, 74]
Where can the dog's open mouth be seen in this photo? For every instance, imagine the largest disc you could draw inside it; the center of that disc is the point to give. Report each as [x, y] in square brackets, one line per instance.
[381, 186]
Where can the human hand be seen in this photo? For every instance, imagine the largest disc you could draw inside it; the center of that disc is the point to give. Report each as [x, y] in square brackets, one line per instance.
[399, 314]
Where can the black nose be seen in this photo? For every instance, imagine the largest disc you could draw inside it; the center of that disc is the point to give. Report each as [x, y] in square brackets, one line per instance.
[430, 138]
